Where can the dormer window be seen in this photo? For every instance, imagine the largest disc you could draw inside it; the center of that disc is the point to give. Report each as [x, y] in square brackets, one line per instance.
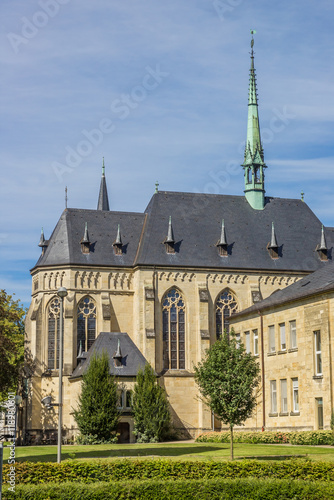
[322, 248]
[222, 243]
[272, 246]
[85, 243]
[118, 245]
[169, 241]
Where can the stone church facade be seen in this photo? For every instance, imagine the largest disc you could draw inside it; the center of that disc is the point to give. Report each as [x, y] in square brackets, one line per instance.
[164, 284]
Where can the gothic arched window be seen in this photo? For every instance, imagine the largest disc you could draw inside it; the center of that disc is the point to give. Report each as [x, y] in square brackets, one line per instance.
[86, 323]
[53, 334]
[226, 304]
[173, 321]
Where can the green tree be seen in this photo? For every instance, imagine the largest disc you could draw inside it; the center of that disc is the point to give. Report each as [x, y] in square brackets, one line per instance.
[227, 379]
[97, 413]
[11, 343]
[150, 407]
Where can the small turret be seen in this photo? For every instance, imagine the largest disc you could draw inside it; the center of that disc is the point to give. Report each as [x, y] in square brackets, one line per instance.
[118, 355]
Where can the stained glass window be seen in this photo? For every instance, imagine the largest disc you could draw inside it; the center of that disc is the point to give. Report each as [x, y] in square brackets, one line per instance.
[53, 334]
[173, 330]
[86, 323]
[226, 305]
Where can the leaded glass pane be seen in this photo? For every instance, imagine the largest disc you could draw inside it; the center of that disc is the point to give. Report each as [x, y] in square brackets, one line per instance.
[226, 305]
[86, 323]
[173, 323]
[51, 343]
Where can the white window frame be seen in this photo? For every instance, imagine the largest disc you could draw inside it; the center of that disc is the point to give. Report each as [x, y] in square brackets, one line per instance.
[293, 334]
[284, 395]
[273, 396]
[295, 395]
[255, 342]
[247, 342]
[317, 353]
[271, 337]
[282, 336]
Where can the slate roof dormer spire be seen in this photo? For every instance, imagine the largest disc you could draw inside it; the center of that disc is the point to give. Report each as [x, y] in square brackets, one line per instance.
[254, 158]
[273, 247]
[103, 202]
[118, 355]
[85, 243]
[222, 243]
[322, 249]
[169, 241]
[43, 244]
[118, 242]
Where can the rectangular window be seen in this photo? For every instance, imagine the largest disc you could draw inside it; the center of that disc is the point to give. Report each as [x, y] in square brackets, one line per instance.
[237, 338]
[320, 413]
[273, 396]
[317, 353]
[271, 330]
[284, 396]
[282, 336]
[256, 342]
[295, 395]
[247, 341]
[293, 334]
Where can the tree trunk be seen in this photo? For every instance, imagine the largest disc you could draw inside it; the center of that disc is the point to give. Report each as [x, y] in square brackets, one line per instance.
[231, 431]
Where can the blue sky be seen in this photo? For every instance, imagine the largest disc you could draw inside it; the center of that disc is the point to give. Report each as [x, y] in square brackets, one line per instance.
[160, 90]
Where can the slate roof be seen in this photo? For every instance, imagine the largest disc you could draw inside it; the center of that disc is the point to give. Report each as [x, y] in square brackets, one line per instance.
[132, 358]
[64, 245]
[196, 220]
[317, 282]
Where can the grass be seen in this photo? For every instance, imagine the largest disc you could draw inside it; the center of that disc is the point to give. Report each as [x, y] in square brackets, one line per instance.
[179, 451]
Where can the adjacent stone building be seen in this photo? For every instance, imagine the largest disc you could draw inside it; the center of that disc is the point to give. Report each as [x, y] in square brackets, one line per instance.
[168, 279]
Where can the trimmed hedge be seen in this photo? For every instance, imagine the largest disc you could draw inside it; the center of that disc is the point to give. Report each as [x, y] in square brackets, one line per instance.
[267, 437]
[163, 490]
[118, 470]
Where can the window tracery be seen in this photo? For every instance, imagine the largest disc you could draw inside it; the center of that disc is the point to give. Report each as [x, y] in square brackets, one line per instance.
[86, 323]
[226, 305]
[173, 318]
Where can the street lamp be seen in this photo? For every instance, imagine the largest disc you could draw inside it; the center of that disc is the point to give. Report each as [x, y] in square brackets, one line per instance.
[62, 292]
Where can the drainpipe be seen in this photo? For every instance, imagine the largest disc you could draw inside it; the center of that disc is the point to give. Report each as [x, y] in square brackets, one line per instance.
[262, 370]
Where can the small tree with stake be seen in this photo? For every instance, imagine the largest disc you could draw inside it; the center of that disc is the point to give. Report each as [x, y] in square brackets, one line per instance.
[97, 415]
[227, 379]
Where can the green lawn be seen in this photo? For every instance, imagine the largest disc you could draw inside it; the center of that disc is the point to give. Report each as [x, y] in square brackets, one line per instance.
[183, 451]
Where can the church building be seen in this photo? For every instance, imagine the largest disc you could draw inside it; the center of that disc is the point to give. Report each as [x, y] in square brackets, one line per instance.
[160, 286]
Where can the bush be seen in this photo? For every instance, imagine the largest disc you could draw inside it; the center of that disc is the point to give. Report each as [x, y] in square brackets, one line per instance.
[185, 489]
[268, 437]
[90, 472]
[94, 439]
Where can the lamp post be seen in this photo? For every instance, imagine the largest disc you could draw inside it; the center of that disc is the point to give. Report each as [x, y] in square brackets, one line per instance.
[62, 292]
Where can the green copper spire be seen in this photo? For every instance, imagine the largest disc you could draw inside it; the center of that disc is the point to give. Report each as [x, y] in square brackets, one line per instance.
[254, 159]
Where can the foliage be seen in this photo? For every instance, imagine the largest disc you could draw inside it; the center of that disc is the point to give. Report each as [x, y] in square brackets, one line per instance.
[125, 469]
[97, 413]
[267, 437]
[227, 379]
[94, 439]
[11, 343]
[332, 420]
[150, 408]
[186, 489]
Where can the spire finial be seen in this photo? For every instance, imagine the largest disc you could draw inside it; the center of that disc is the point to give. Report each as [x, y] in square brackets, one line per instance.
[156, 187]
[273, 242]
[66, 197]
[85, 239]
[103, 201]
[42, 239]
[302, 195]
[118, 237]
[222, 240]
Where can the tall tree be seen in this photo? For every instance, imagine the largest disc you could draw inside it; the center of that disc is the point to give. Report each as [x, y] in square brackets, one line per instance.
[150, 407]
[12, 315]
[97, 413]
[227, 379]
